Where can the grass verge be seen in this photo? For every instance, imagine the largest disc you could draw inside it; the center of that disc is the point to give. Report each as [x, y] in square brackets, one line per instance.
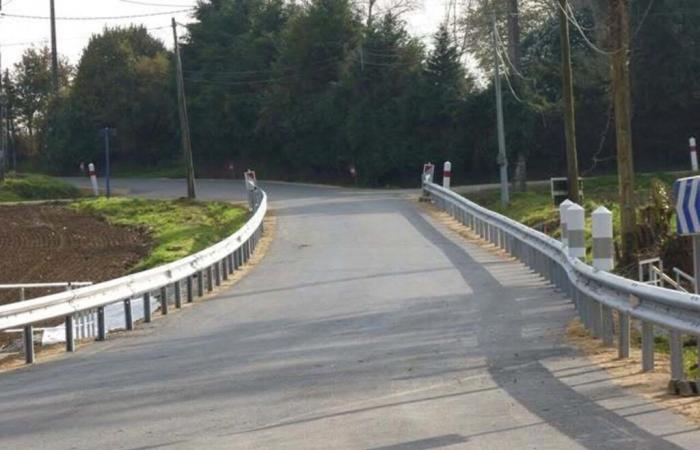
[536, 210]
[20, 187]
[178, 227]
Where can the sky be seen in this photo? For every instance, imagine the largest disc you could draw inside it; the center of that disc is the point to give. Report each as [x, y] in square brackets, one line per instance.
[18, 33]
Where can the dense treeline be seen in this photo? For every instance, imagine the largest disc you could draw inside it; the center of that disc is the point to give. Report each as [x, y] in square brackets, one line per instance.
[311, 90]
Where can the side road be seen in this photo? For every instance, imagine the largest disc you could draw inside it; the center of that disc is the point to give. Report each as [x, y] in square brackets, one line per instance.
[368, 325]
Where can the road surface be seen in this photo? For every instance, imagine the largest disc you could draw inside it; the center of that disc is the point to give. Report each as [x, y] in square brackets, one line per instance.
[367, 326]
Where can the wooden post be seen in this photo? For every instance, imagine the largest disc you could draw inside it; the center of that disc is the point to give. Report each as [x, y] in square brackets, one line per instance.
[620, 59]
[569, 110]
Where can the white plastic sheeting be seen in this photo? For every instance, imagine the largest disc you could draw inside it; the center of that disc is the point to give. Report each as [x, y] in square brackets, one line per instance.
[87, 327]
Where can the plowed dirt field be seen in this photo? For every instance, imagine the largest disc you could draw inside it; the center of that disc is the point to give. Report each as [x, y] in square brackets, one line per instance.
[52, 243]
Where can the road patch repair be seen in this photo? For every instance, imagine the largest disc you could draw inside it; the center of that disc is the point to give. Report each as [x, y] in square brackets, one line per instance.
[626, 373]
[65, 235]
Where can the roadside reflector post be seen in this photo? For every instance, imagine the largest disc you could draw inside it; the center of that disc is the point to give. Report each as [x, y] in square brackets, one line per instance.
[575, 221]
[447, 175]
[693, 154]
[603, 248]
[562, 221]
[93, 179]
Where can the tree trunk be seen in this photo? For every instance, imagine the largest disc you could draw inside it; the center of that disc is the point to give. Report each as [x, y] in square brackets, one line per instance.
[619, 41]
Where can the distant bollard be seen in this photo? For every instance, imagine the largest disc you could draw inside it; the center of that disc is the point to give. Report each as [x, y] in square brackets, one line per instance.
[693, 154]
[575, 221]
[93, 179]
[447, 175]
[603, 239]
[562, 220]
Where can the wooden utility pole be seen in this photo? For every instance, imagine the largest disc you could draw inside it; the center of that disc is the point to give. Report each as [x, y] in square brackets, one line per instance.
[54, 50]
[502, 156]
[619, 30]
[184, 121]
[514, 55]
[569, 109]
[3, 114]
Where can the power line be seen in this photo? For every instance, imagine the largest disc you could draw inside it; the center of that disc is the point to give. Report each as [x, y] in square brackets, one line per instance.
[167, 5]
[133, 16]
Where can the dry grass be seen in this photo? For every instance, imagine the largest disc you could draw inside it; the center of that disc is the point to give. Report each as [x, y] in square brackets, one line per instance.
[628, 374]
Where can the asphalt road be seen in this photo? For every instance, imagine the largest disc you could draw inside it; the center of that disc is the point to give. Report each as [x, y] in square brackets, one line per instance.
[367, 326]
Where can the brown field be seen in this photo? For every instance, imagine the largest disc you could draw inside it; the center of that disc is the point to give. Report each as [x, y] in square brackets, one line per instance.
[51, 243]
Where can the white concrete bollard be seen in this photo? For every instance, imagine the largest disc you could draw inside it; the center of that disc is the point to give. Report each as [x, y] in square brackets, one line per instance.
[93, 179]
[603, 250]
[693, 155]
[575, 223]
[562, 221]
[446, 174]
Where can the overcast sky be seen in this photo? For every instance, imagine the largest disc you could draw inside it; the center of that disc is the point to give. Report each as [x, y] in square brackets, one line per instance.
[17, 33]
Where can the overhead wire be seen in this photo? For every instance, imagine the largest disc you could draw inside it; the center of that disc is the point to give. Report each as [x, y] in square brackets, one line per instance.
[90, 18]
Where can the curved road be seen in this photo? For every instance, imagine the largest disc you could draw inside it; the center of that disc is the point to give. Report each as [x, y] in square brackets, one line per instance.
[367, 326]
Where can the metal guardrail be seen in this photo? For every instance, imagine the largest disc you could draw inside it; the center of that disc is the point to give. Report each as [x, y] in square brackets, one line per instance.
[214, 263]
[595, 293]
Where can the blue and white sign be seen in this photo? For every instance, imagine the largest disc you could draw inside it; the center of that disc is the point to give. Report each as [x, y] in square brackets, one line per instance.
[685, 191]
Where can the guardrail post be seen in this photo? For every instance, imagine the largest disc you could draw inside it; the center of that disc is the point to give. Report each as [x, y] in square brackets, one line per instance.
[164, 300]
[217, 274]
[28, 335]
[676, 344]
[647, 346]
[147, 307]
[210, 279]
[607, 325]
[128, 316]
[624, 340]
[563, 207]
[178, 294]
[224, 268]
[575, 223]
[101, 325]
[190, 296]
[70, 334]
[230, 263]
[200, 284]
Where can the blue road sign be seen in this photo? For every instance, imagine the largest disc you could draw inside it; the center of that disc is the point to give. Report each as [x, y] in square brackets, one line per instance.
[685, 191]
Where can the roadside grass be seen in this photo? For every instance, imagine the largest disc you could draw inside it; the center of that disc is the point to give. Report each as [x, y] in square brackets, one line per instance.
[20, 187]
[535, 208]
[178, 228]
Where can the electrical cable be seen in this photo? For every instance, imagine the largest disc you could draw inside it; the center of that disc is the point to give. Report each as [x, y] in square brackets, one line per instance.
[133, 16]
[167, 5]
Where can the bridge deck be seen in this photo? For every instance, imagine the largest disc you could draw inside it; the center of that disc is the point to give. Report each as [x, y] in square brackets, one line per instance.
[367, 326]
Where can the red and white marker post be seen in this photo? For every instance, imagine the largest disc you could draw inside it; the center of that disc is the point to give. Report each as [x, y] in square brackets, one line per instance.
[93, 179]
[693, 155]
[446, 174]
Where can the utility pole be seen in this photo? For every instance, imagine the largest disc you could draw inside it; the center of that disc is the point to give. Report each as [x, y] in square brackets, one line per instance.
[3, 114]
[513, 26]
[619, 30]
[184, 121]
[54, 51]
[106, 132]
[502, 158]
[569, 110]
